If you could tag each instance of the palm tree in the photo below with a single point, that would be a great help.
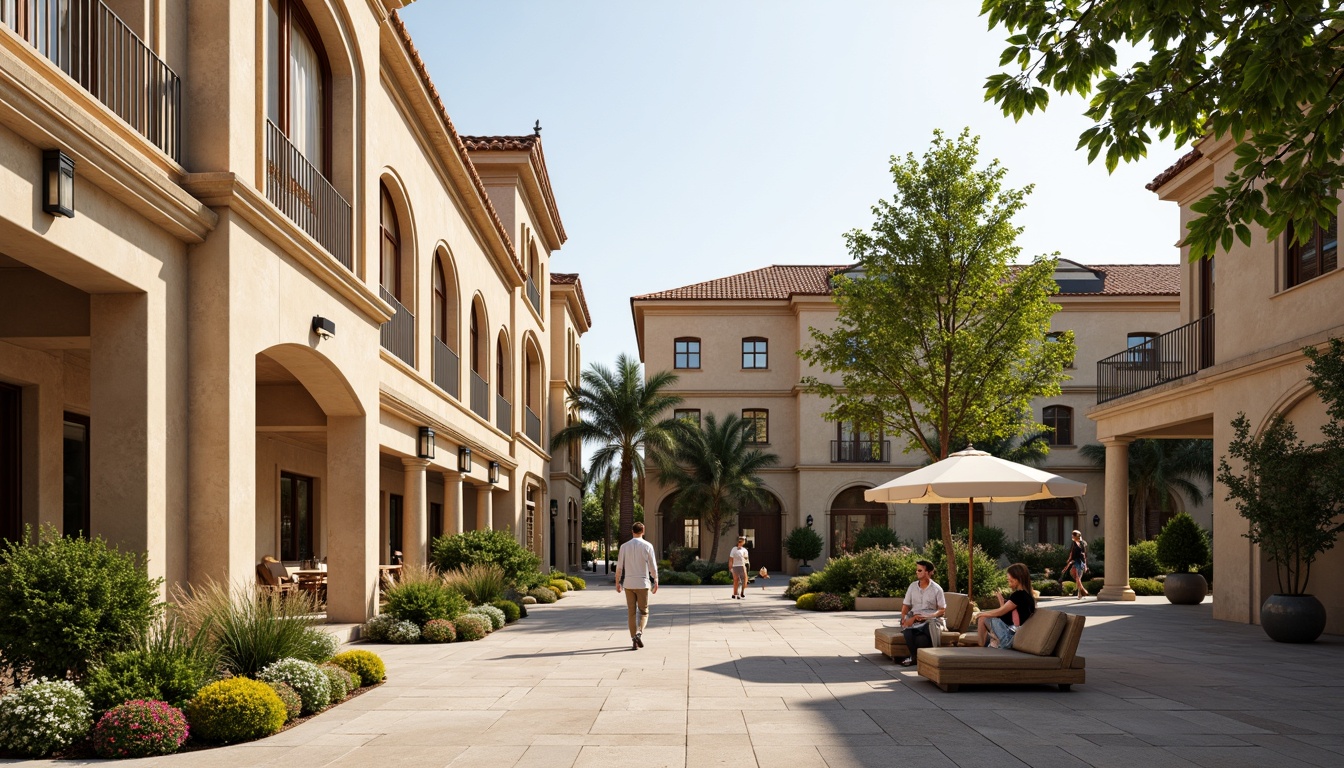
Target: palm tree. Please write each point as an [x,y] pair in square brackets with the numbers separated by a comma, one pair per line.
[619,410]
[713,468]
[1158,470]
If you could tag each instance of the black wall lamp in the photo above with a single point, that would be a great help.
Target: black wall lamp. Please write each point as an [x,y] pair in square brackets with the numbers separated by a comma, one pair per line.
[323,327]
[424,446]
[555,508]
[58,183]
[494,473]
[1096,521]
[464,459]
[809,521]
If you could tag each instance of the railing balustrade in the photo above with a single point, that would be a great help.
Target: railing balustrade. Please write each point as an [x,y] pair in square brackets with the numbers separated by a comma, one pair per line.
[860,451]
[398,334]
[503,414]
[94,47]
[303,194]
[480,396]
[532,425]
[534,295]
[1174,355]
[446,369]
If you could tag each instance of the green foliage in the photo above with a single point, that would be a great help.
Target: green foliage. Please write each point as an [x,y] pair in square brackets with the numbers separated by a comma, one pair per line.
[722,577]
[1094,585]
[1181,546]
[1049,588]
[67,602]
[1038,557]
[828,601]
[964,356]
[1159,471]
[439,631]
[544,595]
[992,539]
[366,665]
[170,664]
[576,582]
[420,596]
[682,557]
[705,569]
[403,632]
[559,584]
[234,710]
[306,678]
[798,586]
[804,544]
[43,717]
[511,610]
[678,578]
[1146,587]
[1263,74]
[1143,560]
[714,468]
[988,578]
[250,628]
[342,682]
[140,729]
[322,645]
[558,592]
[375,629]
[492,614]
[876,536]
[493,547]
[808,601]
[479,583]
[290,697]
[472,626]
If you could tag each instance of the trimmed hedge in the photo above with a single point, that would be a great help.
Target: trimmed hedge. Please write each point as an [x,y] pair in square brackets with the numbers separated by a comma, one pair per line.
[511,610]
[1146,587]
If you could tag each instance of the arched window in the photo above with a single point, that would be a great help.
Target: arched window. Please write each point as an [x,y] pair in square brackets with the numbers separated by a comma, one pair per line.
[298,79]
[499,368]
[440,303]
[474,342]
[850,514]
[1059,419]
[389,246]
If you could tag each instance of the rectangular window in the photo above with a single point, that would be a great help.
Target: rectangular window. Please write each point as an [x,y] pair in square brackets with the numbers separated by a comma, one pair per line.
[758,429]
[754,353]
[394,526]
[689,414]
[1059,419]
[296,517]
[11,475]
[690,533]
[435,521]
[1316,255]
[686,353]
[76,476]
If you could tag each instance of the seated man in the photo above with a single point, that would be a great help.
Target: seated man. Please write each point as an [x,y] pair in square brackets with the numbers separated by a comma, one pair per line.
[924,602]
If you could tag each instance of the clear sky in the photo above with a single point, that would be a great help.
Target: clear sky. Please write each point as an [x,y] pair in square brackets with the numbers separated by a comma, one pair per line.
[695,139]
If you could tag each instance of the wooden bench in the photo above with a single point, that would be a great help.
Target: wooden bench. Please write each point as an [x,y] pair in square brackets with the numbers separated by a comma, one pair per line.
[1045,651]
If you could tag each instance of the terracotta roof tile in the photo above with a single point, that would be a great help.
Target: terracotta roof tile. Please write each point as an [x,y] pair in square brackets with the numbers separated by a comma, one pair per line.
[572,278]
[1139,279]
[501,143]
[1184,162]
[530,143]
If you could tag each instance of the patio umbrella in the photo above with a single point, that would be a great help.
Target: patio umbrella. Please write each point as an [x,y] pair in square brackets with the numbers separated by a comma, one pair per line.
[968,475]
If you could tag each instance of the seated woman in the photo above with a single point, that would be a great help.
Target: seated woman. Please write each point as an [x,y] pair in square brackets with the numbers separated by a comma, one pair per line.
[999,625]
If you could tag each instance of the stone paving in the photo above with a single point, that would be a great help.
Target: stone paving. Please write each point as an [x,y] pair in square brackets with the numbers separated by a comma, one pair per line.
[755,682]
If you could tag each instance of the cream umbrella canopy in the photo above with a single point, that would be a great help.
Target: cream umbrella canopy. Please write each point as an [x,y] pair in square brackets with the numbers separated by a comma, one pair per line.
[969,476]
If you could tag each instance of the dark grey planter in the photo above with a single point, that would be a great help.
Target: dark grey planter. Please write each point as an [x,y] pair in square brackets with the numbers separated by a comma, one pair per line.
[1293,618]
[1185,588]
[804,569]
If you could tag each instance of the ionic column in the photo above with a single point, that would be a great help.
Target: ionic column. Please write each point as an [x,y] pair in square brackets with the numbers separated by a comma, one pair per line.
[1117,520]
[415,534]
[452,502]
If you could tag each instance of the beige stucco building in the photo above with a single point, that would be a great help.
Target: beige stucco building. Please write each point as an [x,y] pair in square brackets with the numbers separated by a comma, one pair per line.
[733,343]
[1275,298]
[283,267]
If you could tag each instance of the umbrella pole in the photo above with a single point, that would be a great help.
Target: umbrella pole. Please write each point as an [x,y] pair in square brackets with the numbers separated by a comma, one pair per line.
[970,549]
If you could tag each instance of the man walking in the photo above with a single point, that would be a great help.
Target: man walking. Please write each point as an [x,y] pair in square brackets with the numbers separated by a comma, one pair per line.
[924,603]
[637,573]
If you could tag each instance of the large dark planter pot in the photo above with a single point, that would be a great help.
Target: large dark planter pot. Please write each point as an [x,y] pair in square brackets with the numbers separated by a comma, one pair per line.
[804,569]
[1293,618]
[1185,588]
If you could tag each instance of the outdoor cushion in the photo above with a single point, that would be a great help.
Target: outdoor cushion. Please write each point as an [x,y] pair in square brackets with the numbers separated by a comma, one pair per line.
[1040,634]
[985,658]
[277,571]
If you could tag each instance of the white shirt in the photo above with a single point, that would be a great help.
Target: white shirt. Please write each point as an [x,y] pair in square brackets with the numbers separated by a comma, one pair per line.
[637,564]
[924,601]
[737,557]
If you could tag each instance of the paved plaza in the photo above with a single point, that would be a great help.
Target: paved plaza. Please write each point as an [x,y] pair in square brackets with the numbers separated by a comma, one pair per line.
[756,682]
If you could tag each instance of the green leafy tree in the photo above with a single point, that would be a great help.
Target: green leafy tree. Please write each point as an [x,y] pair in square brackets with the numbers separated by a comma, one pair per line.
[1266,74]
[1181,545]
[622,412]
[713,469]
[1159,471]
[939,333]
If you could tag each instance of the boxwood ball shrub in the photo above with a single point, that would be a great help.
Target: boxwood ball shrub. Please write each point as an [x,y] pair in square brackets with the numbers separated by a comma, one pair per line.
[1146,587]
[1181,545]
[43,717]
[560,584]
[140,728]
[559,593]
[544,595]
[342,682]
[306,678]
[439,631]
[828,601]
[808,602]
[293,704]
[511,610]
[492,613]
[577,582]
[375,629]
[472,626]
[496,547]
[722,577]
[234,710]
[364,665]
[403,633]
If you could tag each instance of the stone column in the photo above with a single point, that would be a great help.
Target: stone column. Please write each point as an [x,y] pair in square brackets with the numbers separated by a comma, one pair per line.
[415,513]
[1117,520]
[452,502]
[483,510]
[352,509]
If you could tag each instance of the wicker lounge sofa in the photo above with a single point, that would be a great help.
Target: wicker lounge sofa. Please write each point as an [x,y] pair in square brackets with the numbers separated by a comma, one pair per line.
[1044,651]
[891,642]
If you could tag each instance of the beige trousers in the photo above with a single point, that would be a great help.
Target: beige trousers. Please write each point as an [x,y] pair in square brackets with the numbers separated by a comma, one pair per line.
[637,598]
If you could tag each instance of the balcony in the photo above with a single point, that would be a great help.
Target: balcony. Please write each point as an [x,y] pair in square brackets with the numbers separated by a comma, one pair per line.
[503,414]
[534,295]
[399,332]
[1174,355]
[532,425]
[446,369]
[480,396]
[303,194]
[860,451]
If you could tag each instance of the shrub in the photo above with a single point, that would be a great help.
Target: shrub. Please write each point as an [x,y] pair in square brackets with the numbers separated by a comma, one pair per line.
[403,633]
[664,565]
[682,557]
[808,602]
[479,583]
[511,610]
[306,678]
[472,626]
[375,629]
[439,631]
[484,547]
[169,665]
[322,645]
[804,544]
[493,614]
[992,539]
[250,628]
[1094,585]
[797,587]
[1143,561]
[342,682]
[1049,588]
[876,536]
[722,577]
[366,666]
[421,595]
[559,584]
[526,601]
[682,578]
[577,582]
[65,603]
[1181,545]
[554,589]
[43,716]
[1037,557]
[290,697]
[989,579]
[237,709]
[1146,587]
[828,601]
[140,729]
[705,569]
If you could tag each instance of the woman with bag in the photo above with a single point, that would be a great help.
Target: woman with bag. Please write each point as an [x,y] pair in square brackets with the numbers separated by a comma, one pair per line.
[1077,564]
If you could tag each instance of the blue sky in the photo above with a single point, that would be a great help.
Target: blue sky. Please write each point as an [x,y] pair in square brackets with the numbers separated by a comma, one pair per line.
[697,139]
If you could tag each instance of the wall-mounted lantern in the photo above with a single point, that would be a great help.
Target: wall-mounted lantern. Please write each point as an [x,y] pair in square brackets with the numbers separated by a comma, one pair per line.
[424,446]
[494,473]
[464,459]
[58,183]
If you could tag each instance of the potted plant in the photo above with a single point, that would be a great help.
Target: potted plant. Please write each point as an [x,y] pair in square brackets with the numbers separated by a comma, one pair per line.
[1182,549]
[1291,494]
[804,544]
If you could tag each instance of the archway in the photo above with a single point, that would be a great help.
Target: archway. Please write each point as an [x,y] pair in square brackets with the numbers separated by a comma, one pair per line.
[850,514]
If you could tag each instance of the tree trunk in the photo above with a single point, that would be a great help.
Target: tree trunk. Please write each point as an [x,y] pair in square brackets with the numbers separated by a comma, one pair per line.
[627,498]
[946,514]
[714,515]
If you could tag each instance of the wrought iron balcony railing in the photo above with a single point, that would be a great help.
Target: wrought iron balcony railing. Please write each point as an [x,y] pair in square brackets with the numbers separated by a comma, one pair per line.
[94,47]
[446,369]
[480,396]
[1174,355]
[860,451]
[304,195]
[532,425]
[503,414]
[534,295]
[398,334]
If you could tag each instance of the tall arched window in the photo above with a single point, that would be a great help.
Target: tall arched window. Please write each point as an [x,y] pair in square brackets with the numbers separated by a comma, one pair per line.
[1059,419]
[389,246]
[499,368]
[440,303]
[298,80]
[474,342]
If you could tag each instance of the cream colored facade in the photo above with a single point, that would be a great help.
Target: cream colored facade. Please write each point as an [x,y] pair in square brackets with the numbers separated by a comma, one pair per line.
[821,469]
[168,328]
[1254,365]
